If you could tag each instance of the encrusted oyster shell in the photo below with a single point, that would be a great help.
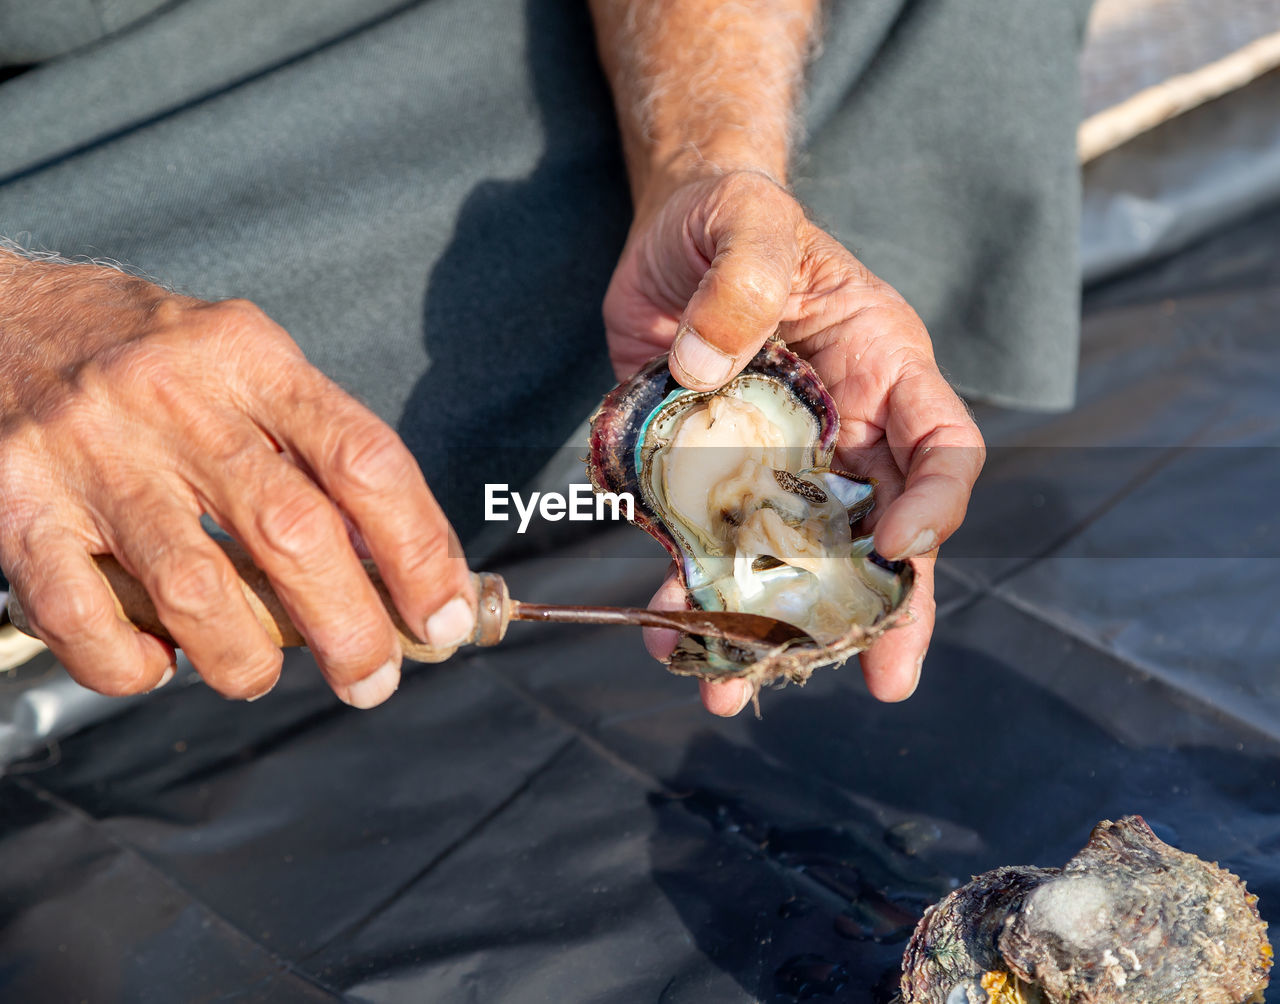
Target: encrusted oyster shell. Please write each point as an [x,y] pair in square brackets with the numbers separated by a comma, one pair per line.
[636,422]
[1128,920]
[954,955]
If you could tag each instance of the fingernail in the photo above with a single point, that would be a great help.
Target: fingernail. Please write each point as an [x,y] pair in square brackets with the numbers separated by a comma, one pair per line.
[925,541]
[374,688]
[258,697]
[748,692]
[451,625]
[168,675]
[916,681]
[699,360]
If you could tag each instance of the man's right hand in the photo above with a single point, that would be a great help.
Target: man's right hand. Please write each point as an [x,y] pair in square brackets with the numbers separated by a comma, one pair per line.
[126,412]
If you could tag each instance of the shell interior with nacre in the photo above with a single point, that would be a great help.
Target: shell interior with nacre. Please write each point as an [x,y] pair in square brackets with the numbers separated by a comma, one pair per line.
[737,484]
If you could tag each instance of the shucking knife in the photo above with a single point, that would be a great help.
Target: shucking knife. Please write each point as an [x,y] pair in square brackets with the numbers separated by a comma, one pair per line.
[495,612]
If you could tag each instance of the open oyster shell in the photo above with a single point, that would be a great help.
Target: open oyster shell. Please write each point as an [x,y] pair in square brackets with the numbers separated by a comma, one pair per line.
[1128,919]
[954,955]
[737,485]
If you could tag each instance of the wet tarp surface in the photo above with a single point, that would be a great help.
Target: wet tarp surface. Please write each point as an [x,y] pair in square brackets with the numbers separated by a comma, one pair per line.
[557,819]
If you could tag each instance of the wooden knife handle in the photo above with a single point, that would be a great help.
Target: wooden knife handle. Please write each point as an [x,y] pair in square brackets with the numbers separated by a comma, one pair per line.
[134,605]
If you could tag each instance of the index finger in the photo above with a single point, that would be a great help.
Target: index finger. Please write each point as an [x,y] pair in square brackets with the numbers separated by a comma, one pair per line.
[368,471]
[937,444]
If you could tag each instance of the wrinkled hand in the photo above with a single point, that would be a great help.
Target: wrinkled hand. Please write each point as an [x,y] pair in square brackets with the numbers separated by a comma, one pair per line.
[127,412]
[710,271]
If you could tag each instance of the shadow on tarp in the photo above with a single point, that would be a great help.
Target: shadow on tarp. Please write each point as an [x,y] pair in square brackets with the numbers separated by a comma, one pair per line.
[860,819]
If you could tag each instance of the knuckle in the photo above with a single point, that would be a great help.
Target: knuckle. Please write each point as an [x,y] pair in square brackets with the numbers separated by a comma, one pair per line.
[238,312]
[426,558]
[188,583]
[244,320]
[429,562]
[246,680]
[764,284]
[292,526]
[369,459]
[354,645]
[238,332]
[69,614]
[169,313]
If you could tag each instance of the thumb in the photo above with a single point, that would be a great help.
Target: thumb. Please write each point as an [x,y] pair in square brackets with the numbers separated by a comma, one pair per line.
[754,253]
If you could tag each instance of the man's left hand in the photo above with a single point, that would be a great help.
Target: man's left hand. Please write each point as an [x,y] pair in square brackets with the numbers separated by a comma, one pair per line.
[712,270]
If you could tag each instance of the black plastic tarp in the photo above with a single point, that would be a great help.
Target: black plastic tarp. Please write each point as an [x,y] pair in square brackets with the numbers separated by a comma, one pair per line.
[557,819]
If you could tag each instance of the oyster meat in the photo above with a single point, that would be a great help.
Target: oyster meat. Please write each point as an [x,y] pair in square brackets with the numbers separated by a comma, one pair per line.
[1128,919]
[737,484]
